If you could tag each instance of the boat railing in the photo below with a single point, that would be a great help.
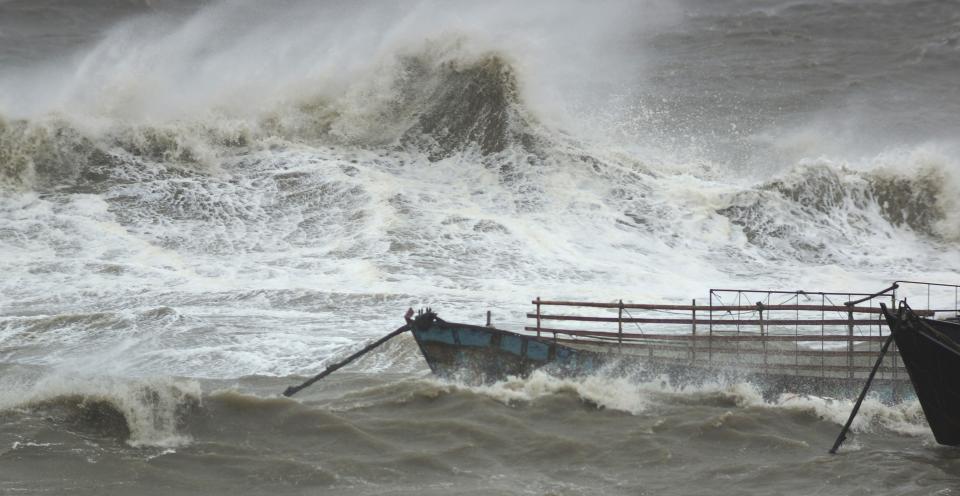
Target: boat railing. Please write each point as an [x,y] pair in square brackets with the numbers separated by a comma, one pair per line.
[804,333]
[942,299]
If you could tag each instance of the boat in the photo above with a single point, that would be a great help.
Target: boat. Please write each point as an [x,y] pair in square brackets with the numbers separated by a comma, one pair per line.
[795,345]
[736,341]
[931,354]
[486,354]
[799,342]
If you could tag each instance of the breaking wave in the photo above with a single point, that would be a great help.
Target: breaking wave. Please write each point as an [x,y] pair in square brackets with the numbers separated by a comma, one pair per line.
[438,108]
[818,207]
[139,413]
[654,398]
[449,97]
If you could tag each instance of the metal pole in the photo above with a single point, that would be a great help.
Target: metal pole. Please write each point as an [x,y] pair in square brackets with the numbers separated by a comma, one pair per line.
[538,316]
[760,311]
[896,382]
[763,337]
[863,394]
[292,390]
[850,342]
[693,330]
[823,356]
[620,326]
[710,331]
[738,325]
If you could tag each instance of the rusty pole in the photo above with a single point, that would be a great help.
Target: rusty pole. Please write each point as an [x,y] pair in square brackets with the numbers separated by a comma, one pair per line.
[693,330]
[710,331]
[620,326]
[538,316]
[850,361]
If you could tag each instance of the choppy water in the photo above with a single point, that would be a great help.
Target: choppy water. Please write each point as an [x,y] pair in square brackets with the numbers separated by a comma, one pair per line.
[202,203]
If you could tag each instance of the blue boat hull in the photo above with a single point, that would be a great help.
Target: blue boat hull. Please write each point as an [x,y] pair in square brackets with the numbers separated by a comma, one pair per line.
[485,354]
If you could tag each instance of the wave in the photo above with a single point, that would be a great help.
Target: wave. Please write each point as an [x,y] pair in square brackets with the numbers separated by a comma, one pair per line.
[139,413]
[476,105]
[444,99]
[56,153]
[434,105]
[642,398]
[818,211]
[171,413]
[380,77]
[652,399]
[74,330]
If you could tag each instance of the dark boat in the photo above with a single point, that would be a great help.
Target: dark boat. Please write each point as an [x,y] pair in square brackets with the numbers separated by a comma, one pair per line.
[930,350]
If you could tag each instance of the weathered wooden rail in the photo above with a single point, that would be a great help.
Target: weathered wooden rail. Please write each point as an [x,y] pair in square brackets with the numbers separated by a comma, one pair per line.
[810,334]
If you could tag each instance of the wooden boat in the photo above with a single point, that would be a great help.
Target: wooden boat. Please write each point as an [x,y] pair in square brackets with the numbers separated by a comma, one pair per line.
[931,353]
[804,343]
[738,342]
[486,354]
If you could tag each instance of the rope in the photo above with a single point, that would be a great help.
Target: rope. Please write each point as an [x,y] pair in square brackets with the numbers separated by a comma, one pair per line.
[635,323]
[857,329]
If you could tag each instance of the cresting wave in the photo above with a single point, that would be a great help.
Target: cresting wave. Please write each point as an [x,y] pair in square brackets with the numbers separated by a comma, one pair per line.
[644,398]
[819,206]
[442,107]
[170,414]
[139,413]
[274,164]
[434,104]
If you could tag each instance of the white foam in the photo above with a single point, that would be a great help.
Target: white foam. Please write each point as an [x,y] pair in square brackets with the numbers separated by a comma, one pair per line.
[624,394]
[29,444]
[903,418]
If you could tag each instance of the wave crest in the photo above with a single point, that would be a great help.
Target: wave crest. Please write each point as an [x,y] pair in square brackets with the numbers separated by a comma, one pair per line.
[473,105]
[818,206]
[141,413]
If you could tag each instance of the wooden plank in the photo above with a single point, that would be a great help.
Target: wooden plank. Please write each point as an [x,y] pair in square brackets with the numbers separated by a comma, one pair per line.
[716,336]
[759,367]
[715,322]
[788,367]
[716,308]
[684,347]
[723,308]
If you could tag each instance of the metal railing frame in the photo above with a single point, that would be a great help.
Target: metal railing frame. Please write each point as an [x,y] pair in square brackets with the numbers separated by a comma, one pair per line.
[719,338]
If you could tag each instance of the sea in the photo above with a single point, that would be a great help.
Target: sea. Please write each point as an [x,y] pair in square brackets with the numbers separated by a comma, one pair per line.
[204,202]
